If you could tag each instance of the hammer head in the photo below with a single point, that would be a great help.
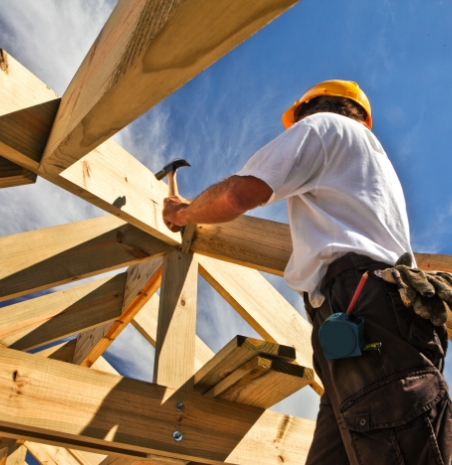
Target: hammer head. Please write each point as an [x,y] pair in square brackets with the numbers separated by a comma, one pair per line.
[173,165]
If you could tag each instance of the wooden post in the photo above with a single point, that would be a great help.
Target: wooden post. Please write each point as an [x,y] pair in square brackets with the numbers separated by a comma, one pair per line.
[176,330]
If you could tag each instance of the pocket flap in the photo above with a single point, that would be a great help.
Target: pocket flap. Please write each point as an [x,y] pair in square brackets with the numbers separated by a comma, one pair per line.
[393,401]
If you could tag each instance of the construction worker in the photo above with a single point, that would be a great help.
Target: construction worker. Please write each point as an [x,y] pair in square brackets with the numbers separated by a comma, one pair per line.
[388,404]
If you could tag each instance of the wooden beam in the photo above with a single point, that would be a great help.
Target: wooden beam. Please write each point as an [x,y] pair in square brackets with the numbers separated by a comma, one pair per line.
[12,175]
[234,355]
[47,454]
[35,322]
[49,401]
[176,330]
[123,187]
[37,260]
[146,323]
[262,306]
[146,50]
[142,282]
[11,452]
[262,382]
[252,242]
[434,262]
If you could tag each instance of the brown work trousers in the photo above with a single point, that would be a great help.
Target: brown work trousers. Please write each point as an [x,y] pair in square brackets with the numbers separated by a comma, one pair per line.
[389,406]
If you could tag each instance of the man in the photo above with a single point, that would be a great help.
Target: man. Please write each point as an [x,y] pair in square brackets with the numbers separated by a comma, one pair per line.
[347,215]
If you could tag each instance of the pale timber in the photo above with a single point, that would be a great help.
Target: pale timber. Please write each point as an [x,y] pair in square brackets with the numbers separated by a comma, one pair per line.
[126,188]
[35,322]
[146,323]
[12,175]
[232,356]
[47,454]
[263,307]
[145,51]
[142,282]
[107,177]
[174,363]
[262,382]
[49,401]
[11,452]
[37,260]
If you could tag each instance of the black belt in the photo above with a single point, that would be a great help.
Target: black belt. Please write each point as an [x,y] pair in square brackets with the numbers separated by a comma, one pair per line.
[349,261]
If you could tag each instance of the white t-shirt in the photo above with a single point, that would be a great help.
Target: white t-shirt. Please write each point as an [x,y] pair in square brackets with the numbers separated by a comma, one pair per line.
[343,196]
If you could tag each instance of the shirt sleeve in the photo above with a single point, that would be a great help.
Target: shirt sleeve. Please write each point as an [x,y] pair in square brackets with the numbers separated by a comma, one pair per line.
[289,162]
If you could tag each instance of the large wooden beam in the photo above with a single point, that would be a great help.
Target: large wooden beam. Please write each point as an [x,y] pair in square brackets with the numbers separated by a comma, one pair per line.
[263,307]
[12,175]
[35,322]
[146,50]
[58,403]
[142,282]
[174,363]
[252,242]
[146,323]
[37,260]
[123,186]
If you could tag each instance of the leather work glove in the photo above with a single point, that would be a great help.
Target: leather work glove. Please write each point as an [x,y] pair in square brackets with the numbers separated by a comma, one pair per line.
[428,292]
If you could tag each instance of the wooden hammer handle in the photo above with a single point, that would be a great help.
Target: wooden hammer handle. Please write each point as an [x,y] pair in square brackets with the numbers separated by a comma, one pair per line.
[172,184]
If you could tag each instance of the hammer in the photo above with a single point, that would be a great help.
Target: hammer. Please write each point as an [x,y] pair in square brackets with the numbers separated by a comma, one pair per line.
[170,170]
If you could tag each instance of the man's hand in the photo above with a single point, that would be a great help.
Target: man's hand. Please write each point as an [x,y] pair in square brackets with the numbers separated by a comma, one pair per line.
[173,212]
[220,203]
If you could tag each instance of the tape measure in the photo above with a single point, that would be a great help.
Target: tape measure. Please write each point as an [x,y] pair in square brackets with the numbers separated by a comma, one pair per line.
[341,335]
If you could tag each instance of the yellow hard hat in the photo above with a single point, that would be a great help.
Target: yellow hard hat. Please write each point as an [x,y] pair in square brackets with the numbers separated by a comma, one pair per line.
[334,88]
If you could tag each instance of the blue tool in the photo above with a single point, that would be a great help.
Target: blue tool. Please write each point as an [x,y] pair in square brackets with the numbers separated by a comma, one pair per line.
[341,335]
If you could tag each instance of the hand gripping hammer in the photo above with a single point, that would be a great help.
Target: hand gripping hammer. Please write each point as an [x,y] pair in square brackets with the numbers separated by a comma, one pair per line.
[170,170]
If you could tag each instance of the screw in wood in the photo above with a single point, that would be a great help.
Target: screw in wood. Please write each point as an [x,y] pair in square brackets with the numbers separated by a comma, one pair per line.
[180,406]
[177,436]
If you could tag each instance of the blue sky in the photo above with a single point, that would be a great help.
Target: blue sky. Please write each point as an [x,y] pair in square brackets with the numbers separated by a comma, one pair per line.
[399,51]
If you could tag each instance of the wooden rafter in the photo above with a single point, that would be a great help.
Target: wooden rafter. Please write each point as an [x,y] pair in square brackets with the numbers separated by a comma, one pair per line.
[58,403]
[35,322]
[12,175]
[37,260]
[123,186]
[146,50]
[142,282]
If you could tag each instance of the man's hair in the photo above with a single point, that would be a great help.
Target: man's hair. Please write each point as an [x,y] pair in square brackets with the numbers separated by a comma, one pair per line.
[340,105]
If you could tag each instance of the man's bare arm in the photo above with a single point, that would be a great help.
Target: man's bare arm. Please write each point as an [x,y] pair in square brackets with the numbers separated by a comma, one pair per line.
[220,203]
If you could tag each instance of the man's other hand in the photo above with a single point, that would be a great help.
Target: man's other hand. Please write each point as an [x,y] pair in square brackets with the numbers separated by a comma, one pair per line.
[173,212]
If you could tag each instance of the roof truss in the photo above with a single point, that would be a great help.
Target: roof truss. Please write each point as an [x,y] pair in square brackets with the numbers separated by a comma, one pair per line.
[64,413]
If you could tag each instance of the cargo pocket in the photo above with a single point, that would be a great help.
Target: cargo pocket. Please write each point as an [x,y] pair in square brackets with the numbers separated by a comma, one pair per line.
[394,401]
[430,340]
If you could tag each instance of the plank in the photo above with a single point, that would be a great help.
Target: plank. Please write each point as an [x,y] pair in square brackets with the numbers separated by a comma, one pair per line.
[142,282]
[434,262]
[176,328]
[62,404]
[262,382]
[262,306]
[232,356]
[123,187]
[37,260]
[11,452]
[35,322]
[253,242]
[12,175]
[47,454]
[146,323]
[146,50]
